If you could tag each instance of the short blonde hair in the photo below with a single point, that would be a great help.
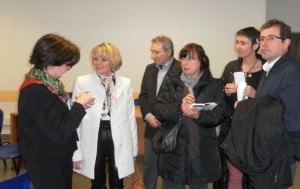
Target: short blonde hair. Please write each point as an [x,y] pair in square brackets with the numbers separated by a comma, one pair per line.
[109,52]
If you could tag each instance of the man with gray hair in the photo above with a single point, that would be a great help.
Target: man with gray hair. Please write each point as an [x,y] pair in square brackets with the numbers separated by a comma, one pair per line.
[162,53]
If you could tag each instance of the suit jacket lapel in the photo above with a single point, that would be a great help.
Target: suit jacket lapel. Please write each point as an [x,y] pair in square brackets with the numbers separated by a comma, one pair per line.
[154,73]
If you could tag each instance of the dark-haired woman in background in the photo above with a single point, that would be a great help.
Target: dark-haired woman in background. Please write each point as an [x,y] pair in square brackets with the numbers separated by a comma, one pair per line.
[196,160]
[250,63]
[47,128]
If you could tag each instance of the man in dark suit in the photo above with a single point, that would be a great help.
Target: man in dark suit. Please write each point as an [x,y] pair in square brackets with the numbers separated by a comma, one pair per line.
[162,52]
[281,79]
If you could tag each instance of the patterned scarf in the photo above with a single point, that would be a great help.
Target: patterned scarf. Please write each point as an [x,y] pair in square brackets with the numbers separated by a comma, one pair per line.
[109,85]
[37,76]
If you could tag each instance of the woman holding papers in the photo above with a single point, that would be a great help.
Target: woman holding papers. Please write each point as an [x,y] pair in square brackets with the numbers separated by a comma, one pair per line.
[195,161]
[240,76]
[248,62]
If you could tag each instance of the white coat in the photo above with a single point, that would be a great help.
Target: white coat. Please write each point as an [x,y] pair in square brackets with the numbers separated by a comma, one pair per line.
[123,125]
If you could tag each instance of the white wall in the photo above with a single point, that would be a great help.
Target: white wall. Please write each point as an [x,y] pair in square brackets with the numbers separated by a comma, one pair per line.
[129,24]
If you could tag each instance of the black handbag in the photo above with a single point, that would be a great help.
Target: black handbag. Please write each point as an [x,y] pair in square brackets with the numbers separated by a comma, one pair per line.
[165,140]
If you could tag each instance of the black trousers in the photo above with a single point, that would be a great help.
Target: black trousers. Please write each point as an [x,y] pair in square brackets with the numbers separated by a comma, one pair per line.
[105,153]
[51,173]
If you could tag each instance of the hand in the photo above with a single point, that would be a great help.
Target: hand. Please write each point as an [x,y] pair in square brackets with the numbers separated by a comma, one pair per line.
[186,102]
[76,165]
[86,100]
[153,121]
[230,88]
[250,92]
[185,107]
[235,104]
[193,112]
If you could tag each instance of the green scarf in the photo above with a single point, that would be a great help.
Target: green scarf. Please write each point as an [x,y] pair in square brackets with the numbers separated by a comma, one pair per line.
[41,77]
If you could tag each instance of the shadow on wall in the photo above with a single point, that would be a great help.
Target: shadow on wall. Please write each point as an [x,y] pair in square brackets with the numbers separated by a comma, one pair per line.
[295,46]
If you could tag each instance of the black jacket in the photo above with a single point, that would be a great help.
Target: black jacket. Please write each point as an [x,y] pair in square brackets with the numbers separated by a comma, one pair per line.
[147,95]
[258,144]
[47,128]
[227,77]
[178,167]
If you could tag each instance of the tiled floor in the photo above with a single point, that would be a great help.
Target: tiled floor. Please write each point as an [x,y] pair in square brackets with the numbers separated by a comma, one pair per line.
[81,182]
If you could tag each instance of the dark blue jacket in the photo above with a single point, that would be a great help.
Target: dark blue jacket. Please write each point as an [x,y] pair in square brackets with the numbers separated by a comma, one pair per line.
[282,83]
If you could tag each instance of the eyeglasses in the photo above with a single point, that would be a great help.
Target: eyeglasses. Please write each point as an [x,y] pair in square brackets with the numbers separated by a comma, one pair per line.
[188,58]
[268,38]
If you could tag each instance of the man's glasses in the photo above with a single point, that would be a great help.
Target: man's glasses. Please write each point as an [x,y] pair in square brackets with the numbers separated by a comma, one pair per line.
[268,38]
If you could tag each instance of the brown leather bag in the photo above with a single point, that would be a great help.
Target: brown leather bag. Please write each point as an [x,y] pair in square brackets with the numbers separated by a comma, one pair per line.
[134,181]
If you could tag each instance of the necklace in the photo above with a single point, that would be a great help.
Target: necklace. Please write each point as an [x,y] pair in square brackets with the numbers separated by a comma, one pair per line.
[247,74]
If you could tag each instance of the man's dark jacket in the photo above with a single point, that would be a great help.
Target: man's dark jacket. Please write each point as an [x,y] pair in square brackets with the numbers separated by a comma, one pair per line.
[258,143]
[147,95]
[282,83]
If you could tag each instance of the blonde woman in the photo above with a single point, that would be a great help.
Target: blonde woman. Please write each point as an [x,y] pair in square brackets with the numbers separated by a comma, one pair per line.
[108,132]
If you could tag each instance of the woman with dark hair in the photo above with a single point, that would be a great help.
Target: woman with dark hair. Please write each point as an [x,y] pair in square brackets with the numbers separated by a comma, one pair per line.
[250,63]
[195,161]
[47,127]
